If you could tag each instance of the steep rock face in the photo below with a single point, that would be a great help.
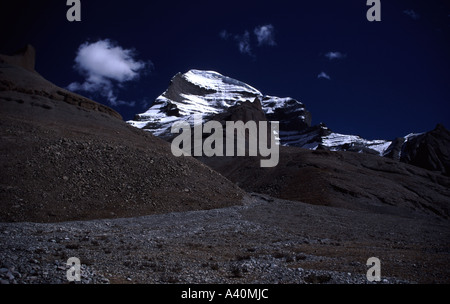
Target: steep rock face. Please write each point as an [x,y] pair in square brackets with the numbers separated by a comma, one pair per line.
[25,58]
[291,113]
[394,150]
[242,111]
[17,77]
[430,150]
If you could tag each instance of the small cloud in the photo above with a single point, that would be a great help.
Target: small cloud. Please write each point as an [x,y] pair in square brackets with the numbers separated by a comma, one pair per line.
[265,35]
[244,43]
[324,75]
[224,35]
[106,67]
[335,55]
[411,13]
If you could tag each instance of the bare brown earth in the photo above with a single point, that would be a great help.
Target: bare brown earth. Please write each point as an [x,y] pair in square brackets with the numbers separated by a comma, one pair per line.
[78,181]
[348,180]
[63,161]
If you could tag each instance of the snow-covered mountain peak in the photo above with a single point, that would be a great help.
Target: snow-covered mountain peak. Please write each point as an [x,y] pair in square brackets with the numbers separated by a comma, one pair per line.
[212,80]
[210,93]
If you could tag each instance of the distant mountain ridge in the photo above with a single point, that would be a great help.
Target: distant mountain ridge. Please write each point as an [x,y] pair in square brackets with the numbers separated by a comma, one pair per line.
[213,95]
[210,93]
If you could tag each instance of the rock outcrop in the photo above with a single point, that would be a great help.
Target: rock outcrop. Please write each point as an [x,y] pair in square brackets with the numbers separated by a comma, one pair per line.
[25,58]
[430,150]
[19,77]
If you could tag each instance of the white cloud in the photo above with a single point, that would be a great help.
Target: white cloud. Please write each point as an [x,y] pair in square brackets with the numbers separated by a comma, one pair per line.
[106,67]
[244,43]
[323,75]
[412,14]
[335,55]
[265,35]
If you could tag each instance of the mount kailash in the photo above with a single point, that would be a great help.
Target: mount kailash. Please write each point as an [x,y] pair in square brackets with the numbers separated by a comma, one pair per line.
[214,95]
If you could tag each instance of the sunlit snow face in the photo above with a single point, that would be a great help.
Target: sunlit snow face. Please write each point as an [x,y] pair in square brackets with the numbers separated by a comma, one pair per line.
[220,92]
[335,139]
[216,81]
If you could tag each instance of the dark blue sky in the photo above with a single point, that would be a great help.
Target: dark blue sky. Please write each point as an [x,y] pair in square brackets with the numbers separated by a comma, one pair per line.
[393,80]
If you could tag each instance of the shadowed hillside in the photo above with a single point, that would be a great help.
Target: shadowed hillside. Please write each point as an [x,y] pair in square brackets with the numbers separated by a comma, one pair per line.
[65,157]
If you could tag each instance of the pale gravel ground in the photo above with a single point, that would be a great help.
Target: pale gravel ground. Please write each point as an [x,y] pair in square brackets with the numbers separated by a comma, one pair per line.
[264,241]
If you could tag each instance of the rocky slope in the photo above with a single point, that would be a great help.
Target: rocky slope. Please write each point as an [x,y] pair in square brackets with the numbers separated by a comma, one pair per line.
[355,181]
[65,157]
[265,241]
[430,150]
